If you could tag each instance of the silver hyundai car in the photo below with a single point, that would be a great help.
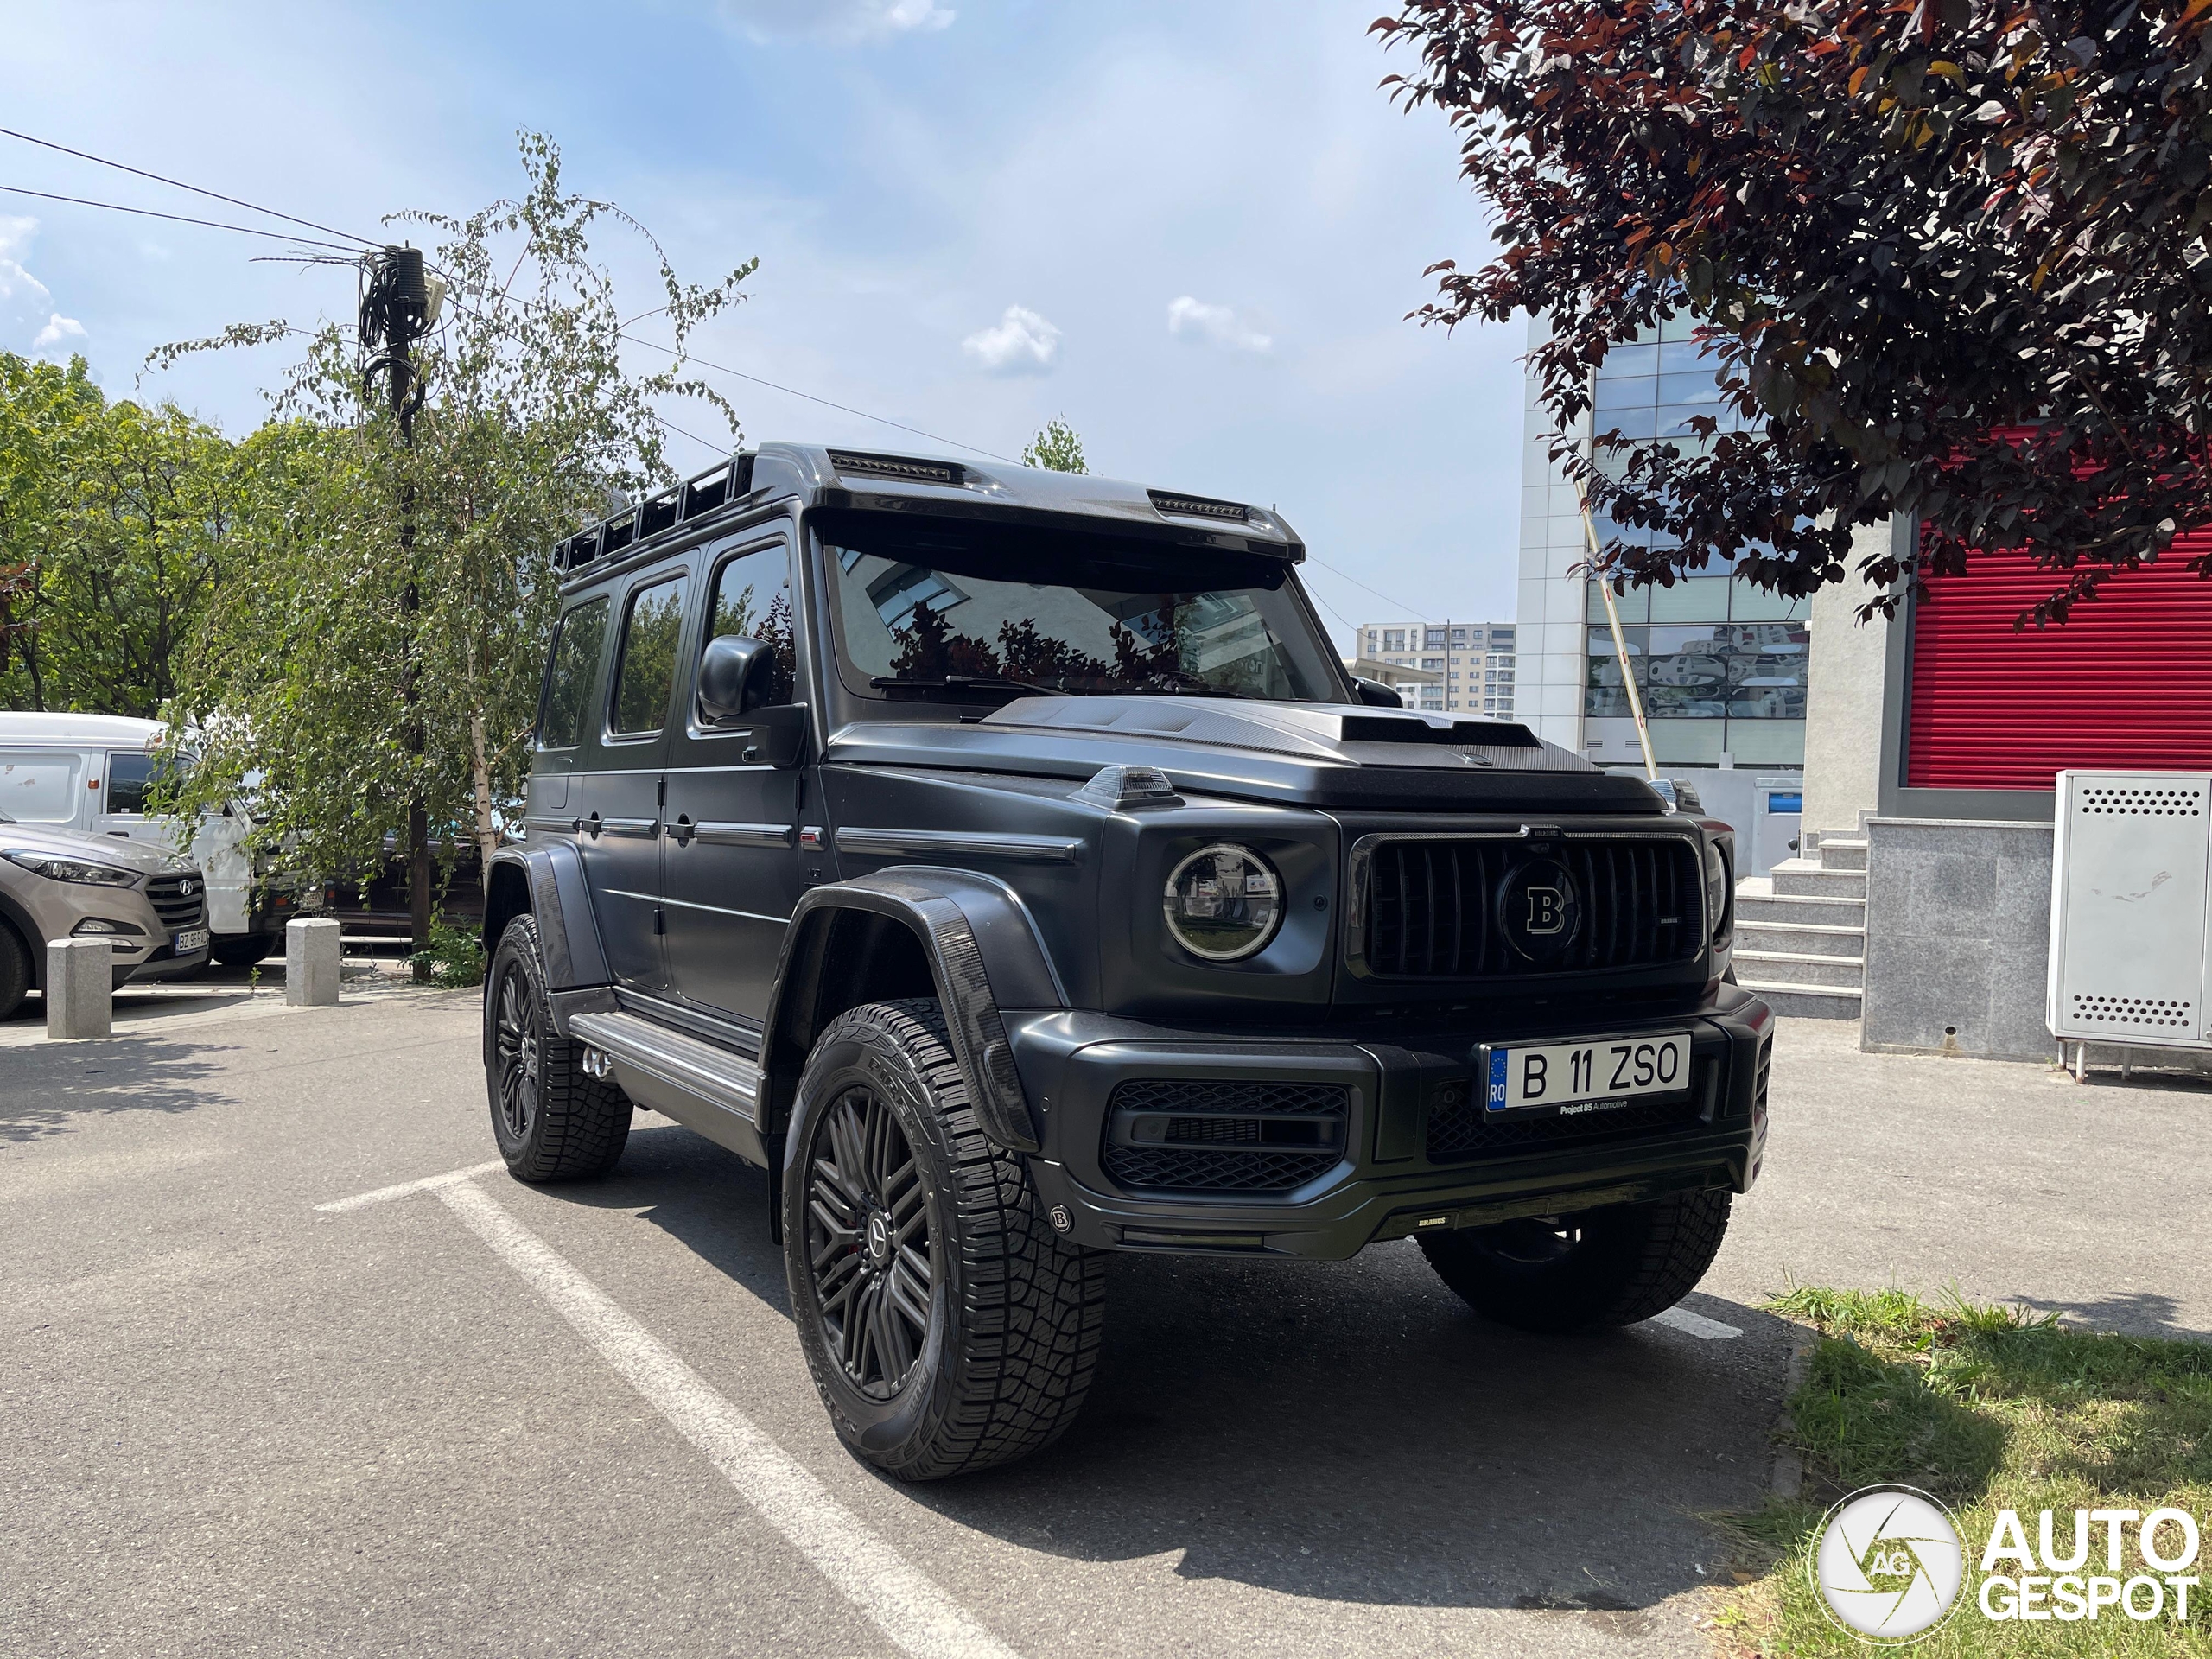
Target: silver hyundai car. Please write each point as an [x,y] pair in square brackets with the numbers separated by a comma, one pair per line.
[151,907]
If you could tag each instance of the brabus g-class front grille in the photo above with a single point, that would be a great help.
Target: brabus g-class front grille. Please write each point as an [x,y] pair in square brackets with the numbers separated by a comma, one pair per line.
[1435,906]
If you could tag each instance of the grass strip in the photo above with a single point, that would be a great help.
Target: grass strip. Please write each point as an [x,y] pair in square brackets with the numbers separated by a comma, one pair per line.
[1986,1407]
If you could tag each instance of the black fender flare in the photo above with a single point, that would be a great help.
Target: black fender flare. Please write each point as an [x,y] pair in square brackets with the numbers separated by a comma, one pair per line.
[546,880]
[984,953]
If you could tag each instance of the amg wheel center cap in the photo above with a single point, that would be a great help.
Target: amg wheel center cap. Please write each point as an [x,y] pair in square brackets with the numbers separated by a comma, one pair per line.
[879,1237]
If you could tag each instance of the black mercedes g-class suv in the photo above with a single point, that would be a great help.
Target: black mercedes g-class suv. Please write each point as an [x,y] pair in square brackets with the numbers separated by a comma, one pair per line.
[1003,860]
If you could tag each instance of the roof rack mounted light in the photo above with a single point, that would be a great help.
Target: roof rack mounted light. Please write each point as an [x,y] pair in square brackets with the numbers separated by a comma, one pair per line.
[854,462]
[1199,506]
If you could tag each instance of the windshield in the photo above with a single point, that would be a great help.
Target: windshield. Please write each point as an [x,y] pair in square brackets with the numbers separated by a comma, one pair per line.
[969,615]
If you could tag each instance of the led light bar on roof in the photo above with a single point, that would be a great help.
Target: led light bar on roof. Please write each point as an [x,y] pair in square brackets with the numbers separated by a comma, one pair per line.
[913,472]
[1200,507]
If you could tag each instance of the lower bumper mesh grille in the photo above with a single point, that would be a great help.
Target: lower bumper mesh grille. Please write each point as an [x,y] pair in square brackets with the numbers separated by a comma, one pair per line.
[1198,1136]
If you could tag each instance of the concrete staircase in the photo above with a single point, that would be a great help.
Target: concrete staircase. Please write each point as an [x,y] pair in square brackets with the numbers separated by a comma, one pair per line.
[1800,933]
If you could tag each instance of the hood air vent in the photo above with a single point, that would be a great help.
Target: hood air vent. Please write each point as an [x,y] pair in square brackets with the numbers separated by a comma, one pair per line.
[1200,507]
[852,463]
[1397,728]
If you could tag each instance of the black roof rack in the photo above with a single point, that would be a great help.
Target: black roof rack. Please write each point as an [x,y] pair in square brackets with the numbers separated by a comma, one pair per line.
[718,486]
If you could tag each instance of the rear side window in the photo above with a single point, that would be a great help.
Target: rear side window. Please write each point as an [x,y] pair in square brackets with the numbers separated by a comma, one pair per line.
[132,775]
[752,597]
[568,683]
[40,786]
[646,676]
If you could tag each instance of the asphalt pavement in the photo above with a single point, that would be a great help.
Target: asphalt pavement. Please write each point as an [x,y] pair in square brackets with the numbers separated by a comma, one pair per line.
[481,1418]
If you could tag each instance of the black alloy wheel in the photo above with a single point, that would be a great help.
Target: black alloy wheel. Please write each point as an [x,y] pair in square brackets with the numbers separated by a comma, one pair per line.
[553,1120]
[869,1242]
[516,1039]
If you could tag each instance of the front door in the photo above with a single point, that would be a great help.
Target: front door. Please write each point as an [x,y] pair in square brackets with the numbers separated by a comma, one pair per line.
[618,800]
[730,854]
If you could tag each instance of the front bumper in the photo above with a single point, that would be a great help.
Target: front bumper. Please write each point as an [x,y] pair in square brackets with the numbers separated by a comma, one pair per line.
[1398,1174]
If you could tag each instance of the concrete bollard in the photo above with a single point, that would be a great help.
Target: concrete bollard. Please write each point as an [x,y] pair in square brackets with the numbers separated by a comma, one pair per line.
[79,988]
[311,962]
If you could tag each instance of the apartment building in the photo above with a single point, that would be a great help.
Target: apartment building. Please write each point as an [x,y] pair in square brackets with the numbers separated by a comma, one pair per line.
[1474,661]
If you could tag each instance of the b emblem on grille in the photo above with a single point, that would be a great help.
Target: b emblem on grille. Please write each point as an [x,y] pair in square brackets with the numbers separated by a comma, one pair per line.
[1540,910]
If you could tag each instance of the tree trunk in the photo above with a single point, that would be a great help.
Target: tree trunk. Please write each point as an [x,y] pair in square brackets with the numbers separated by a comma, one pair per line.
[479,768]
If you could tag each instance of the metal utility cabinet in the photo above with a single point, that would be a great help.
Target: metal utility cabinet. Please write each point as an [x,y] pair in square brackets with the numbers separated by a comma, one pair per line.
[2128,929]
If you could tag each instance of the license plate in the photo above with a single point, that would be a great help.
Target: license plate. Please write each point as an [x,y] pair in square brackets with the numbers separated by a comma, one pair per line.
[1588,1076]
[192,939]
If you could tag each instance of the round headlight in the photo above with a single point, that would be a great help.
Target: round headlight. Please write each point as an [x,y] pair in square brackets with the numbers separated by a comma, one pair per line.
[1223,903]
[1716,890]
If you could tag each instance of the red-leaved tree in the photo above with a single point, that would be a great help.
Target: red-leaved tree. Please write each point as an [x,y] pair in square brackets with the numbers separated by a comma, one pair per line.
[1951,256]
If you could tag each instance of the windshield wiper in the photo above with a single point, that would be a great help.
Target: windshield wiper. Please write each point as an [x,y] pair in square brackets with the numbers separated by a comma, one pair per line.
[961,682]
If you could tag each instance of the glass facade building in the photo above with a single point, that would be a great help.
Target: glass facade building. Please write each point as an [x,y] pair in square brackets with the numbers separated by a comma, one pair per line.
[1720,665]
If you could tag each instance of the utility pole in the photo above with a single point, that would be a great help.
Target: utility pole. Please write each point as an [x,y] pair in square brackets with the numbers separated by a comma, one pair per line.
[398,308]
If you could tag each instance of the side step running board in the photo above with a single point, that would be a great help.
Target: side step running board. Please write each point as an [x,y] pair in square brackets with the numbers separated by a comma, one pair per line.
[700,1069]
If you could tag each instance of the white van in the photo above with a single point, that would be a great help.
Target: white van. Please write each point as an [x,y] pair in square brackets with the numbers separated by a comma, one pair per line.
[90,772]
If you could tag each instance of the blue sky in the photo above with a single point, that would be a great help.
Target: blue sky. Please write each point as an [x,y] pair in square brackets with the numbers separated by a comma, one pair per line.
[1194,230]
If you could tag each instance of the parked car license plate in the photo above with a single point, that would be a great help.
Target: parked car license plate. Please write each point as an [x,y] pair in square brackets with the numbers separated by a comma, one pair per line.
[192,939]
[1589,1074]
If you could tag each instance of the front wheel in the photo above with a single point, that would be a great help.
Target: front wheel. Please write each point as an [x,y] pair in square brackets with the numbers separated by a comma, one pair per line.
[552,1122]
[947,1326]
[1602,1268]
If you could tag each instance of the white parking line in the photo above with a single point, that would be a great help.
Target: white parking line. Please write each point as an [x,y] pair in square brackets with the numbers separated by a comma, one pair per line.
[1695,1324]
[904,1604]
[427,1183]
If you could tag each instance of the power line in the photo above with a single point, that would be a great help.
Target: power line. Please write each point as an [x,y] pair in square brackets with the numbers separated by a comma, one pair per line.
[180,218]
[1407,609]
[847,408]
[216,195]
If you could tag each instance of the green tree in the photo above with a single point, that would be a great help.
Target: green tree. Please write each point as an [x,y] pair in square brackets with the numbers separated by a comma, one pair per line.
[1056,448]
[1950,259]
[113,518]
[374,655]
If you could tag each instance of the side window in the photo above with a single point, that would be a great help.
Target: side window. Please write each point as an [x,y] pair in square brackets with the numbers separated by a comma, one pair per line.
[127,774]
[646,673]
[752,597]
[567,681]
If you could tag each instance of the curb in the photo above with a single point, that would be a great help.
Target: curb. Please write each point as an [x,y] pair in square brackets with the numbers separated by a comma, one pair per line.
[1788,1479]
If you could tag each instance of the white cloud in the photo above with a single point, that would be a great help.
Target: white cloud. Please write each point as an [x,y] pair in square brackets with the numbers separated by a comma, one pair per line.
[58,328]
[1219,324]
[26,303]
[838,20]
[1021,343]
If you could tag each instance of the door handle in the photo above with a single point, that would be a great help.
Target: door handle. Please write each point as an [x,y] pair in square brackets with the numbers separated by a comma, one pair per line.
[590,826]
[681,830]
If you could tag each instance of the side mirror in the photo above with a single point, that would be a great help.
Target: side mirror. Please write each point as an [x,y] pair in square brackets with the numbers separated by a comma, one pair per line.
[1375,695]
[780,731]
[733,678]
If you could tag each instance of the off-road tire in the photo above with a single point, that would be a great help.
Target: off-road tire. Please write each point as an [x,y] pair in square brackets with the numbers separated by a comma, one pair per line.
[15,972]
[1603,1268]
[245,951]
[569,1127]
[1015,1313]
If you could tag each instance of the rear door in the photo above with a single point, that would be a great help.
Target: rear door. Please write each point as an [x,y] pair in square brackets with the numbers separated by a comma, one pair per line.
[730,854]
[617,798]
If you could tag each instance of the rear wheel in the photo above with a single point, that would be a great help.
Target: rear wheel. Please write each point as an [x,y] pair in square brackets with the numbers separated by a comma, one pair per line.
[947,1328]
[553,1123]
[1603,1268]
[15,972]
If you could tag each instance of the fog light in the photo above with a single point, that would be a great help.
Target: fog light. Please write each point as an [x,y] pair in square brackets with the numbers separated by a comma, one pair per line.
[101,924]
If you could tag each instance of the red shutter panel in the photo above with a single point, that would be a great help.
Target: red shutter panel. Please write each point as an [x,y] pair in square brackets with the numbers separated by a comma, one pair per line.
[2126,683]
